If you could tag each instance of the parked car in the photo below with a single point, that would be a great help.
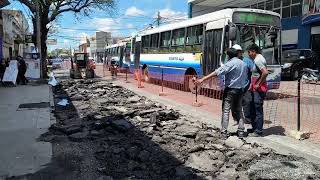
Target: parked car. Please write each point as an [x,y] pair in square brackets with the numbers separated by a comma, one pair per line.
[294,61]
[57,63]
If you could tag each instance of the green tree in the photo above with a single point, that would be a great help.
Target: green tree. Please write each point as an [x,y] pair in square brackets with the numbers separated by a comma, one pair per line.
[50,10]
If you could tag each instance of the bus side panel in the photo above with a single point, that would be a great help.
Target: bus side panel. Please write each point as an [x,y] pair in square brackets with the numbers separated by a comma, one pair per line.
[174,66]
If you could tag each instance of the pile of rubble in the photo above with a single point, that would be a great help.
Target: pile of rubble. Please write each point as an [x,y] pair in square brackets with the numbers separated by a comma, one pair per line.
[136,138]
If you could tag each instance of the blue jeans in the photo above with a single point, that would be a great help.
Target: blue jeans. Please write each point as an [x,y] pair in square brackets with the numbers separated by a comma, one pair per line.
[253,109]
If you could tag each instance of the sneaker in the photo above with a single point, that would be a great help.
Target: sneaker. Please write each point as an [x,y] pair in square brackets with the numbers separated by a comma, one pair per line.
[250,131]
[224,135]
[255,135]
[241,134]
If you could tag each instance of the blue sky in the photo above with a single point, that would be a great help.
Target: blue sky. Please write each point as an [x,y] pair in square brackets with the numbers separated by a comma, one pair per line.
[129,16]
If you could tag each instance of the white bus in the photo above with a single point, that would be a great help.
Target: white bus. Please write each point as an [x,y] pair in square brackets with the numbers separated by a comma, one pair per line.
[119,53]
[197,46]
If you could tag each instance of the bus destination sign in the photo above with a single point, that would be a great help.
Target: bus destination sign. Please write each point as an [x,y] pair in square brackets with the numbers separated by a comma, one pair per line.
[256,19]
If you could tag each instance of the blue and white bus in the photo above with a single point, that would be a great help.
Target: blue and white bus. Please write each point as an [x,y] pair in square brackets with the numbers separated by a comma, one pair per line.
[119,53]
[197,46]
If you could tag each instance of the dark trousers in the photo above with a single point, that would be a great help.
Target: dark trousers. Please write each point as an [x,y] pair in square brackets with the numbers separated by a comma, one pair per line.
[232,99]
[253,110]
[21,77]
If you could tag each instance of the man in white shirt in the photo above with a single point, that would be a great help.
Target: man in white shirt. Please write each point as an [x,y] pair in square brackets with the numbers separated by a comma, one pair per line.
[258,89]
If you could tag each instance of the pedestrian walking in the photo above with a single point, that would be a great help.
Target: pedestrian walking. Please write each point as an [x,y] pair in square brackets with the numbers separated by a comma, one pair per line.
[2,69]
[258,90]
[22,69]
[245,100]
[7,62]
[236,79]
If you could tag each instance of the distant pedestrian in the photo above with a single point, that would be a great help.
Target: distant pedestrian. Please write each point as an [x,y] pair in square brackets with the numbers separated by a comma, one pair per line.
[245,101]
[236,79]
[258,90]
[2,69]
[22,69]
[7,62]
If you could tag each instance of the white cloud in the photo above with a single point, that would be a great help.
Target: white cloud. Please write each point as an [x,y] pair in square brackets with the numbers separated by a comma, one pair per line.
[170,14]
[67,31]
[105,24]
[134,11]
[130,26]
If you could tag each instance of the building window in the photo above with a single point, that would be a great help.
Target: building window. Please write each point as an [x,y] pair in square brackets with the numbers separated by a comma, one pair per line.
[254,6]
[269,5]
[296,10]
[286,12]
[261,5]
[286,8]
[286,3]
[276,4]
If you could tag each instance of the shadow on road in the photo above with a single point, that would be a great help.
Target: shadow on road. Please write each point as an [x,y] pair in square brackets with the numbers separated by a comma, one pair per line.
[87,145]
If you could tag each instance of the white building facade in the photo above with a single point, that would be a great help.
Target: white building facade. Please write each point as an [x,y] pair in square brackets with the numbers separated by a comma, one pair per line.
[13,29]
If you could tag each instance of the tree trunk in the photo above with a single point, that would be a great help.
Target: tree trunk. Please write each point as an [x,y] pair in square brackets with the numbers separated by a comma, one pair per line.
[44,36]
[44,51]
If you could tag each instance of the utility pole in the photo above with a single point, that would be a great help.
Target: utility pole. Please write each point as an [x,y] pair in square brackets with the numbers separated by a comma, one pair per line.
[39,39]
[158,19]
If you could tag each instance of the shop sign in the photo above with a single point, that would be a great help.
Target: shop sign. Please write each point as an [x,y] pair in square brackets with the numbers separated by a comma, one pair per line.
[311,7]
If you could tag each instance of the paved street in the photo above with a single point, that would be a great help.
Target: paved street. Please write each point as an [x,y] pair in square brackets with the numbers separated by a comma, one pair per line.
[136,96]
[20,152]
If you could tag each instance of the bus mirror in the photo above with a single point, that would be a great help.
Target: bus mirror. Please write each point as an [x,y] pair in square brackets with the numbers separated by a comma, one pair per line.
[232,32]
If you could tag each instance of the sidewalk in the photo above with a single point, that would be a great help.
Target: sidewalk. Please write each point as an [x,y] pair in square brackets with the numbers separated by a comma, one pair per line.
[20,153]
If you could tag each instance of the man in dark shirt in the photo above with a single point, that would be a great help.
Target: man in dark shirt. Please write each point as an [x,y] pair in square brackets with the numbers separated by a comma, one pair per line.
[2,69]
[22,69]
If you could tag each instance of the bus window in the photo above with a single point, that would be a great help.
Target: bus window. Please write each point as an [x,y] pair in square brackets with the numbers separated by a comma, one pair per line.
[212,51]
[114,51]
[194,38]
[133,46]
[145,43]
[165,41]
[260,36]
[178,37]
[178,40]
[154,43]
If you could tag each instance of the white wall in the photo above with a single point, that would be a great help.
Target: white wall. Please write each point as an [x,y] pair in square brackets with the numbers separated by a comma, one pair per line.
[290,36]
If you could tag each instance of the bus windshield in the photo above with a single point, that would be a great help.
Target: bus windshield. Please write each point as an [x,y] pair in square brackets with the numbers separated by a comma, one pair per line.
[248,35]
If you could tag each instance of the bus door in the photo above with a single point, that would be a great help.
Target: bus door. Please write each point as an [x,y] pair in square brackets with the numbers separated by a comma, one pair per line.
[137,52]
[121,56]
[212,50]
